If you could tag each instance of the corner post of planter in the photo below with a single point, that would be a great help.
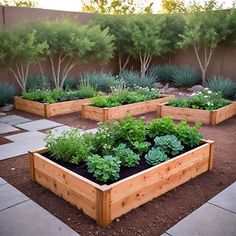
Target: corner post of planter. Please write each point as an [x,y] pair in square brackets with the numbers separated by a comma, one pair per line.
[213,115]
[103,205]
[158,110]
[211,159]
[83,111]
[31,165]
[105,114]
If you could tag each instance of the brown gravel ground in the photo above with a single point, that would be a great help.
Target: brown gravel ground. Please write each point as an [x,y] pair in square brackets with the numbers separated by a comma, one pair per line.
[154,217]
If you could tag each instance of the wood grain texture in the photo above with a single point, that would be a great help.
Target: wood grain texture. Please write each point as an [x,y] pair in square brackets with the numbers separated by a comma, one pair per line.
[49,110]
[196,115]
[119,112]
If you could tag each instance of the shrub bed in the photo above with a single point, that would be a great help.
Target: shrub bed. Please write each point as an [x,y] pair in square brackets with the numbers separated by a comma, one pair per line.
[105,173]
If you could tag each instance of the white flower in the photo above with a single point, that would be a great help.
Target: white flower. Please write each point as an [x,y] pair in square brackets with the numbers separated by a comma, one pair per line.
[206,89]
[205,96]
[209,91]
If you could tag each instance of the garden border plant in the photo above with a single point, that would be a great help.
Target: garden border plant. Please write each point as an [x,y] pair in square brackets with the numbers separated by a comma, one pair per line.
[206,107]
[105,202]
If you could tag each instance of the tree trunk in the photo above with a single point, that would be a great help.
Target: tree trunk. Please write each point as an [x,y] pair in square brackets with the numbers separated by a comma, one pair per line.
[143,70]
[204,76]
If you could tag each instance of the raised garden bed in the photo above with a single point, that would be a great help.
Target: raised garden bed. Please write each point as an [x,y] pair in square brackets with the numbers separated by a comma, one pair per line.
[104,203]
[49,110]
[119,112]
[211,117]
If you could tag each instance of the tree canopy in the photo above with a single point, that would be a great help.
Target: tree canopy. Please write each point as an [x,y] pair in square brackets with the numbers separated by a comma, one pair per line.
[19,3]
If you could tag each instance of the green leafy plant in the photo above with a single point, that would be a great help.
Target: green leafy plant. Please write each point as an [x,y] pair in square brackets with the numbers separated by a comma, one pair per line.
[70,147]
[185,76]
[223,85]
[155,156]
[70,82]
[105,168]
[141,147]
[86,90]
[37,82]
[100,81]
[206,100]
[169,144]
[7,91]
[126,155]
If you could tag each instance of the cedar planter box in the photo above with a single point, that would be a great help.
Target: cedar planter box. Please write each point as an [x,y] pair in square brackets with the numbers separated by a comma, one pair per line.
[49,110]
[193,115]
[104,203]
[119,112]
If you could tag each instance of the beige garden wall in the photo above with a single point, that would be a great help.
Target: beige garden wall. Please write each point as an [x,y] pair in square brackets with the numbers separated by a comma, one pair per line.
[223,61]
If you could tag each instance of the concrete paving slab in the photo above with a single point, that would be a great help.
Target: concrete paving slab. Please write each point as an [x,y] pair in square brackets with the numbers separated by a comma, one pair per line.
[4,128]
[13,119]
[26,136]
[2,181]
[10,196]
[29,219]
[226,199]
[89,131]
[60,130]
[165,234]
[16,149]
[208,220]
[38,125]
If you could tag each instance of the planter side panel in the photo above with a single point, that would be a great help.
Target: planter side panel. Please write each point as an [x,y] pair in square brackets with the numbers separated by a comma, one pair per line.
[225,113]
[191,115]
[143,187]
[93,113]
[29,106]
[65,184]
[68,107]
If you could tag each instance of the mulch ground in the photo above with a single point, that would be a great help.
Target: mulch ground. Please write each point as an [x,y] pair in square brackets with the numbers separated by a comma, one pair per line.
[154,217]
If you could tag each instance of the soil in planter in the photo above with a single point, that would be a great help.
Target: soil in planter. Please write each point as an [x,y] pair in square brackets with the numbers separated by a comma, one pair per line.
[125,172]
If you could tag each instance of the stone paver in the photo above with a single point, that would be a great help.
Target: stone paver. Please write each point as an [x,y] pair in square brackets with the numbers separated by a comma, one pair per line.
[89,131]
[16,149]
[4,128]
[208,220]
[26,136]
[38,125]
[29,219]
[13,119]
[2,181]
[60,130]
[226,199]
[10,196]
[165,234]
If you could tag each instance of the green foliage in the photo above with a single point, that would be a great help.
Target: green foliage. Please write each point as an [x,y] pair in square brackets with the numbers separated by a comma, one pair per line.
[141,147]
[105,168]
[164,73]
[188,136]
[100,81]
[186,76]
[161,127]
[132,79]
[35,82]
[206,100]
[131,130]
[19,3]
[223,85]
[125,97]
[7,91]
[126,155]
[155,156]
[169,144]
[70,147]
[86,90]
[70,82]
[173,6]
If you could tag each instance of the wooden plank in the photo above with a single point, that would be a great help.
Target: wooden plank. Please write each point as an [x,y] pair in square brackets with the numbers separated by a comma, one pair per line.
[67,107]
[103,207]
[65,176]
[191,115]
[92,113]
[31,166]
[225,113]
[150,176]
[156,189]
[29,106]
[67,193]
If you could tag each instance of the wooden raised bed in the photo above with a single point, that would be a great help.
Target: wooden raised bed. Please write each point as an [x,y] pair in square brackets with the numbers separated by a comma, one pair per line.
[119,112]
[49,110]
[193,115]
[104,203]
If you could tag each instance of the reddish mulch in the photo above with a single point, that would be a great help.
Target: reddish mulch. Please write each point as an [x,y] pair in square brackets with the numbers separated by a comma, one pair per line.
[154,217]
